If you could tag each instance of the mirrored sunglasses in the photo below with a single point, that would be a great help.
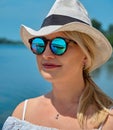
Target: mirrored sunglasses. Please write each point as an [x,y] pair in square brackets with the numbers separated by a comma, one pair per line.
[58,45]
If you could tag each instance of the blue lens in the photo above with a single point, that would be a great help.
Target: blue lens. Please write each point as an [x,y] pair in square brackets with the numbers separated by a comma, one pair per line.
[58,46]
[38,45]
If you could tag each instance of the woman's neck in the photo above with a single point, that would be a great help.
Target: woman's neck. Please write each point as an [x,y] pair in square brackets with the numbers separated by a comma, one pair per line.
[68,92]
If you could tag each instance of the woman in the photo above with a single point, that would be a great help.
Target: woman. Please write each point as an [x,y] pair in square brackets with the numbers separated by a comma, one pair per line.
[67,50]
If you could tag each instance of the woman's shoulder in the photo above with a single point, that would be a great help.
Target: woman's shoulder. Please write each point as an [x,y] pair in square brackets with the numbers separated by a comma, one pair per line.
[32,102]
[108,125]
[18,110]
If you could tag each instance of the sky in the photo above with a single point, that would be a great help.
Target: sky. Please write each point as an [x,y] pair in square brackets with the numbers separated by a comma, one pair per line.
[31,13]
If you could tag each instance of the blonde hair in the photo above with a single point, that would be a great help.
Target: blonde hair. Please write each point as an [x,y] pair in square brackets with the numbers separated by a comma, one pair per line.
[92,96]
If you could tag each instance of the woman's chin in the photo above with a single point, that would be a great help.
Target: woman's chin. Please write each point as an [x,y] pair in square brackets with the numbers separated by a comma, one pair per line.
[47,76]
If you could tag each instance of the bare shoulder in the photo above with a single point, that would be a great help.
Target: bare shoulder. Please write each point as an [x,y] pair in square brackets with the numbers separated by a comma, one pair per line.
[109,122]
[18,110]
[33,103]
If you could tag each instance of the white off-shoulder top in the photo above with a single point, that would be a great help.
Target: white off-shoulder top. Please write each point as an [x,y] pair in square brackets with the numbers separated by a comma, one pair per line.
[13,123]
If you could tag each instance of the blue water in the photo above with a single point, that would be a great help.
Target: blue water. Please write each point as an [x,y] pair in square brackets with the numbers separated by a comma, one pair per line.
[20,79]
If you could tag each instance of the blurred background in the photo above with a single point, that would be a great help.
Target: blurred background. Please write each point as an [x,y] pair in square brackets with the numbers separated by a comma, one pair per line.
[19,76]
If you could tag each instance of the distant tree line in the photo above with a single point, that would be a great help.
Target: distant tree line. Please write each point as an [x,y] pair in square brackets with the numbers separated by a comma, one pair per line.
[108,33]
[8,41]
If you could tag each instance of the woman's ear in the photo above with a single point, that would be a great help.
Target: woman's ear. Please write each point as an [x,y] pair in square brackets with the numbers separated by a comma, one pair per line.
[84,62]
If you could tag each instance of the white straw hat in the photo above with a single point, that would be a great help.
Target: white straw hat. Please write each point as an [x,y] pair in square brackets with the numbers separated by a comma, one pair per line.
[70,15]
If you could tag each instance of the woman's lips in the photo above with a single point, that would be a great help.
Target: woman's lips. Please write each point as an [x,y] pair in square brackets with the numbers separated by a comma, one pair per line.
[50,66]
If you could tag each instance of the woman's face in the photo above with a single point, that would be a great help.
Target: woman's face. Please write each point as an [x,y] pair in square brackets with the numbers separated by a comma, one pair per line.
[64,67]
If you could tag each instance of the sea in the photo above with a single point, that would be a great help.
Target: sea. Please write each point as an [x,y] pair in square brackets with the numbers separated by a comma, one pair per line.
[20,78]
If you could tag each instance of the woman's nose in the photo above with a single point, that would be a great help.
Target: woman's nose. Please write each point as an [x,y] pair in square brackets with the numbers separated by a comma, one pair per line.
[47,54]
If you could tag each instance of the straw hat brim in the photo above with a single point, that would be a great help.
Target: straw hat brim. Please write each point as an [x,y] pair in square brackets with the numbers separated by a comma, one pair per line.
[101,54]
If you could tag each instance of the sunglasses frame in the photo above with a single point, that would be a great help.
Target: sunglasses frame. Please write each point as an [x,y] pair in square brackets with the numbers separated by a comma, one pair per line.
[67,41]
